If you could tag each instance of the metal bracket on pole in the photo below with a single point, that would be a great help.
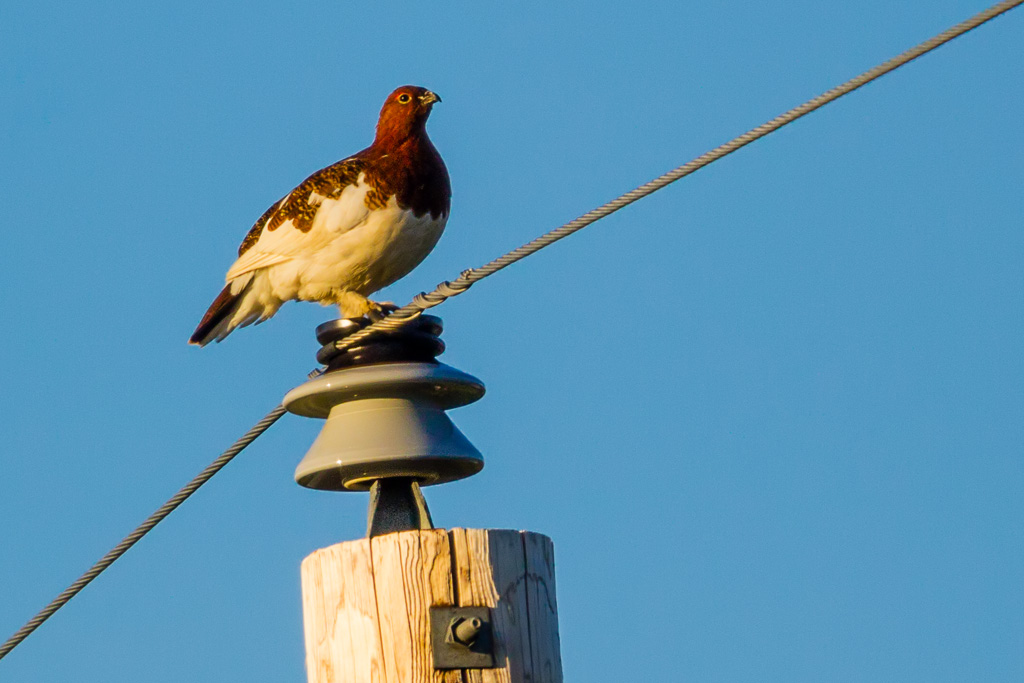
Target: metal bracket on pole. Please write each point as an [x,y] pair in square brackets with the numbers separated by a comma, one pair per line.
[462,638]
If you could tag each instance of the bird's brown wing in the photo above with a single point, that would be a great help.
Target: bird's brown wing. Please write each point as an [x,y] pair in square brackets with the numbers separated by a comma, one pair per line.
[296,205]
[283,231]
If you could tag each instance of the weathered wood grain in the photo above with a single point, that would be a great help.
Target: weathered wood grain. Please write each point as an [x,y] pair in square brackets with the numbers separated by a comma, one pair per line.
[367,603]
[435,550]
[542,608]
[490,571]
[340,616]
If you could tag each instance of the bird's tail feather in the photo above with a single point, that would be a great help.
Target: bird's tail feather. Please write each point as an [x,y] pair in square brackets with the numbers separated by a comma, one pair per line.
[226,313]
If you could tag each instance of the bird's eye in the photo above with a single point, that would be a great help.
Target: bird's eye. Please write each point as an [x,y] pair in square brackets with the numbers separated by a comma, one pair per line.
[404,98]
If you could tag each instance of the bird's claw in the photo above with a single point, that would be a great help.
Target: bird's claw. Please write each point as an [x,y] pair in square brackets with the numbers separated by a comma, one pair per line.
[378,310]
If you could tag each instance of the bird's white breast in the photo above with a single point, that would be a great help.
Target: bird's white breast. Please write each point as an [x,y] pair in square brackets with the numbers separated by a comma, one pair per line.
[353,248]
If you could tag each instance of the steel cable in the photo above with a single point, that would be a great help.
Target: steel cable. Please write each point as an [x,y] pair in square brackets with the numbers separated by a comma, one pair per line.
[467,278]
[143,529]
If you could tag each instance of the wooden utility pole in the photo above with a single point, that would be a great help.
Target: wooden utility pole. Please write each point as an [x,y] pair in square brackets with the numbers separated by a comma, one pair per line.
[410,603]
[367,604]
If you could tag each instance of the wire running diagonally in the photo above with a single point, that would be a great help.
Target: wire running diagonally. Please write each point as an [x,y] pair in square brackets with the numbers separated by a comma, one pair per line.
[423,301]
[448,289]
[143,529]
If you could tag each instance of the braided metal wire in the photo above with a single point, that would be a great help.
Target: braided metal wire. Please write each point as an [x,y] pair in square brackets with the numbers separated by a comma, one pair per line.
[448,289]
[143,529]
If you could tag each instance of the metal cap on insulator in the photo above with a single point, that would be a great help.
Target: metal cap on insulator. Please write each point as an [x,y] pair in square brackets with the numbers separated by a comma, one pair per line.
[384,402]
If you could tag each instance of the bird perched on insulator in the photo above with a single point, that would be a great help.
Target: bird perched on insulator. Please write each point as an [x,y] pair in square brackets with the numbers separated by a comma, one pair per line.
[347,231]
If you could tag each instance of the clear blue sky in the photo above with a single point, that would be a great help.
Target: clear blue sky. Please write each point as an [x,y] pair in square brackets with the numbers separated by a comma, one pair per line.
[772,417]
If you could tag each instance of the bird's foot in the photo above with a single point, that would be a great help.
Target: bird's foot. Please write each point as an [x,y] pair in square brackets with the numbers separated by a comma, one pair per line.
[352,305]
[378,310]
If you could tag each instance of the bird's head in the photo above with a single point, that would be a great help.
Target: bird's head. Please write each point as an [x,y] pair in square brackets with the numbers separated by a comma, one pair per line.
[405,113]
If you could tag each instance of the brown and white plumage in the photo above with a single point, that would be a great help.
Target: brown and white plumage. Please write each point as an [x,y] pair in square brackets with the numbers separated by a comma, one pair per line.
[347,231]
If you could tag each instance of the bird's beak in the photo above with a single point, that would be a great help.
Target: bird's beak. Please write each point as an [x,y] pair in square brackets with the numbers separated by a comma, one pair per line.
[429,98]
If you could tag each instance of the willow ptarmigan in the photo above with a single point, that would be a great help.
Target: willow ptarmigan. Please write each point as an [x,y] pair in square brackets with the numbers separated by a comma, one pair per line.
[347,231]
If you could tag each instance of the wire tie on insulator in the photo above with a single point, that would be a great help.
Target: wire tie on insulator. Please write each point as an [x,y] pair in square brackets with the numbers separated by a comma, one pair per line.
[396,322]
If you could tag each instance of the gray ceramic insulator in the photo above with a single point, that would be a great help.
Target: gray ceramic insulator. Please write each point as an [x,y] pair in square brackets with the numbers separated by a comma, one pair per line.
[386,420]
